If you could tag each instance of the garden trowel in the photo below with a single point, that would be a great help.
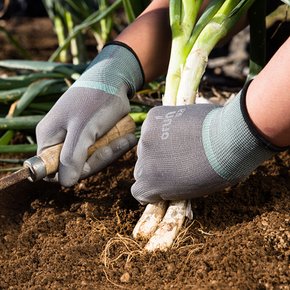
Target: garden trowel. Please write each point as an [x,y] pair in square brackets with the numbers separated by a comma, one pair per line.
[46,163]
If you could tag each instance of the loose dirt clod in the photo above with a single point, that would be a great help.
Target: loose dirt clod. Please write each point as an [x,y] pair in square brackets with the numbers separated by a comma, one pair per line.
[125,278]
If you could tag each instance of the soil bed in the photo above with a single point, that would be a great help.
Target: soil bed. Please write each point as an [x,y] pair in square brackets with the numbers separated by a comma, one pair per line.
[80,238]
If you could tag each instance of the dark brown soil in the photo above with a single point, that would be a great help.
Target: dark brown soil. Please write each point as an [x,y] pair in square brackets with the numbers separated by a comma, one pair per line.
[80,238]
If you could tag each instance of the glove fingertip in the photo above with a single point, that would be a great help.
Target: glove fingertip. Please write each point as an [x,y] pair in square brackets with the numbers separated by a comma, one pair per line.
[131,139]
[67,176]
[101,158]
[139,192]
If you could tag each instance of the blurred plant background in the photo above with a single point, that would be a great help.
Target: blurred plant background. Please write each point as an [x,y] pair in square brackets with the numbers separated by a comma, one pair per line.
[74,20]
[29,88]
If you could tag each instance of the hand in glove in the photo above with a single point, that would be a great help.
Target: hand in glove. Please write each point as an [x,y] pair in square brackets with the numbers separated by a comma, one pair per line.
[88,109]
[188,151]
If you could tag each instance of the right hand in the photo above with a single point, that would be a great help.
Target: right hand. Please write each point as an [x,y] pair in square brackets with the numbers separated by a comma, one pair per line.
[189,151]
[90,108]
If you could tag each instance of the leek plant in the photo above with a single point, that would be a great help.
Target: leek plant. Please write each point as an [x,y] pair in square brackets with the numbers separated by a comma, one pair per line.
[183,80]
[191,46]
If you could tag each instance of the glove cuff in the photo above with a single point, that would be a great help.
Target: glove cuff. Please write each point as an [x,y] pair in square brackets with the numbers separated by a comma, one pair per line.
[232,144]
[116,70]
[135,69]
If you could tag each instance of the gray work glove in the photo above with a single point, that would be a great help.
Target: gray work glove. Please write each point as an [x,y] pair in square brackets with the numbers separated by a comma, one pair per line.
[188,151]
[88,109]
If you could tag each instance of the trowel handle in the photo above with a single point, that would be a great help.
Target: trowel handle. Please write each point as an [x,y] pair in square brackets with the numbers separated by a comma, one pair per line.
[47,162]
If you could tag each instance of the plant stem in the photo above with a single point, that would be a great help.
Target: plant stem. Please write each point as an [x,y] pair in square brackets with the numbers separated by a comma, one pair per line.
[61,36]
[196,62]
[183,15]
[91,20]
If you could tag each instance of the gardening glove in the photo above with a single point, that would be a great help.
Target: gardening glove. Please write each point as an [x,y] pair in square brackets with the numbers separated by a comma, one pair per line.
[90,108]
[189,151]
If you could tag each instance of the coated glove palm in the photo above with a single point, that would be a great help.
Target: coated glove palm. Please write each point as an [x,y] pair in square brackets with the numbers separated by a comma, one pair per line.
[88,109]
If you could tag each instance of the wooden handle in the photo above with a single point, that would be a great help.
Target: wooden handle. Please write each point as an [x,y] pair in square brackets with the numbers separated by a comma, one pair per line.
[50,156]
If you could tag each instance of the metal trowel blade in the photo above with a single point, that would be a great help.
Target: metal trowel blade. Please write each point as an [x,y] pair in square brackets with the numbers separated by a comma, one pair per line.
[14,178]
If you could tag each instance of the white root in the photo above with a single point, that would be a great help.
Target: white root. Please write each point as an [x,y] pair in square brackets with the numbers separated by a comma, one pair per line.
[149,220]
[169,227]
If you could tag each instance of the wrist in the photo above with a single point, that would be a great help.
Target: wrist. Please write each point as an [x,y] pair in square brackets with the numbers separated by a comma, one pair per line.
[270,122]
[270,138]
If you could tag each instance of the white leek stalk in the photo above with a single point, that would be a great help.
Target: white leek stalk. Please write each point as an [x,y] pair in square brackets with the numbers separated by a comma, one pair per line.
[149,221]
[183,15]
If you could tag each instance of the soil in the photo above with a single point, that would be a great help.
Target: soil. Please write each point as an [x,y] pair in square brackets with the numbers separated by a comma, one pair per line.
[80,238]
